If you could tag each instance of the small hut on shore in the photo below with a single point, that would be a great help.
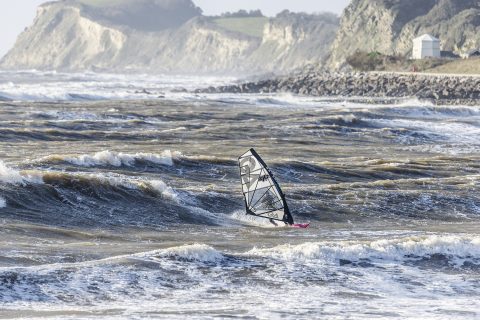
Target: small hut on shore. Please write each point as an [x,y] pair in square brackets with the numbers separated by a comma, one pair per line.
[426,46]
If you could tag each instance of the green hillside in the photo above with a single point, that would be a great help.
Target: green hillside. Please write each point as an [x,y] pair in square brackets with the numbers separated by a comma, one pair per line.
[103,3]
[252,26]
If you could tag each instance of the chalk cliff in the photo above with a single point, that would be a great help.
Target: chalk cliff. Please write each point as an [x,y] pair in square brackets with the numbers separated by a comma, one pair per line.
[164,36]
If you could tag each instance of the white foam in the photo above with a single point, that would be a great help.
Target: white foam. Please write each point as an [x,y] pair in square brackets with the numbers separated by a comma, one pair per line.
[12,176]
[33,85]
[408,102]
[194,252]
[118,159]
[458,132]
[448,149]
[3,202]
[166,158]
[250,220]
[9,175]
[163,189]
[456,247]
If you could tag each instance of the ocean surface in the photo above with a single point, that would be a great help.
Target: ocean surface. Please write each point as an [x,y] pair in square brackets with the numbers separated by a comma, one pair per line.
[120,199]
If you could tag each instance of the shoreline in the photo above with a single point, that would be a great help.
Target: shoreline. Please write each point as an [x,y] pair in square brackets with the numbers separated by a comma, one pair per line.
[438,89]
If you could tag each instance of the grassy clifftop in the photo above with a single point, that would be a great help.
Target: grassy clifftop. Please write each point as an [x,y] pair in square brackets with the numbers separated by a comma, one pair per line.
[252,26]
[144,15]
[104,3]
[467,66]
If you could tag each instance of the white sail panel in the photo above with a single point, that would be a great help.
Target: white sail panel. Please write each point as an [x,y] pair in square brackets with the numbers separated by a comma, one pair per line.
[276,215]
[263,196]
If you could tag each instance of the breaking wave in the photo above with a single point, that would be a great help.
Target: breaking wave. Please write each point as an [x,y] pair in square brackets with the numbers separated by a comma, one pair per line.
[195,252]
[115,159]
[105,199]
[9,175]
[12,176]
[110,182]
[162,188]
[456,249]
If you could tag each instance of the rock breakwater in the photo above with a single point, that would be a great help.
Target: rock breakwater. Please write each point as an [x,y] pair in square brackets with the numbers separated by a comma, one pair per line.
[449,89]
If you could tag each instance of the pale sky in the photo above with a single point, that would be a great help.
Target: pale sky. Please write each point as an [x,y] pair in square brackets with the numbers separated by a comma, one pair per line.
[17,15]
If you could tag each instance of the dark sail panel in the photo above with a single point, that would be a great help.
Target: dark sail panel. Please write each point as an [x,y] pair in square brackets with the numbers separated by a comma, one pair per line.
[263,196]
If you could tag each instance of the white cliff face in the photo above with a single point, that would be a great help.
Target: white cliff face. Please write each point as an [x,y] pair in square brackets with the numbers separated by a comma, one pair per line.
[283,35]
[211,49]
[62,38]
[389,26]
[69,36]
[99,43]
[291,41]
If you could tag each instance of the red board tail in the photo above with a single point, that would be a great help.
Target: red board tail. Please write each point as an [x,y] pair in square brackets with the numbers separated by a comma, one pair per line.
[301,225]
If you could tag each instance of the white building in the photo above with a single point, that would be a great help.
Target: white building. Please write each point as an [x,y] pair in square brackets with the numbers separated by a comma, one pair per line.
[426,46]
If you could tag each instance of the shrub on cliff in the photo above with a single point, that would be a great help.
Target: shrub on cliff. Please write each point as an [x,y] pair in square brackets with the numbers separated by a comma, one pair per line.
[375,61]
[366,61]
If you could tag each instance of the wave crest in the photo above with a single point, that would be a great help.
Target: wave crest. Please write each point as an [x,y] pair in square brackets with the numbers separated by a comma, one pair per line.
[163,189]
[116,159]
[9,175]
[12,176]
[110,180]
[456,248]
[194,252]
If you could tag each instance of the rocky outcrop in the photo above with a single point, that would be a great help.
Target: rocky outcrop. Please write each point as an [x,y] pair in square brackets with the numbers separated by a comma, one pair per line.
[167,36]
[438,88]
[388,26]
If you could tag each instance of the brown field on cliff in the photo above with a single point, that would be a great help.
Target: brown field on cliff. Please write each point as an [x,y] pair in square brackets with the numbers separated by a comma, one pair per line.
[467,66]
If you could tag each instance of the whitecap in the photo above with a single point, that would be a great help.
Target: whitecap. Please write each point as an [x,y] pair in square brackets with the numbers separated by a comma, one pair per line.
[9,175]
[194,252]
[117,159]
[12,176]
[457,248]
[163,189]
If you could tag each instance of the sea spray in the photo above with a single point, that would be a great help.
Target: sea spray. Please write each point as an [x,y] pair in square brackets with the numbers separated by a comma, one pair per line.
[9,175]
[12,176]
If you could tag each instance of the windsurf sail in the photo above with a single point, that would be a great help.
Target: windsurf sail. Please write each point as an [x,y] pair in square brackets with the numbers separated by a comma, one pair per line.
[262,194]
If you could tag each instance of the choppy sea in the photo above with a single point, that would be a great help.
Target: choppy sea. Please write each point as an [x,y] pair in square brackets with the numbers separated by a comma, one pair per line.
[120,199]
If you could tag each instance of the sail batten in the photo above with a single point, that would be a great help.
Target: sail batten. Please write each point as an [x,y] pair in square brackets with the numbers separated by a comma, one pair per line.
[262,194]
